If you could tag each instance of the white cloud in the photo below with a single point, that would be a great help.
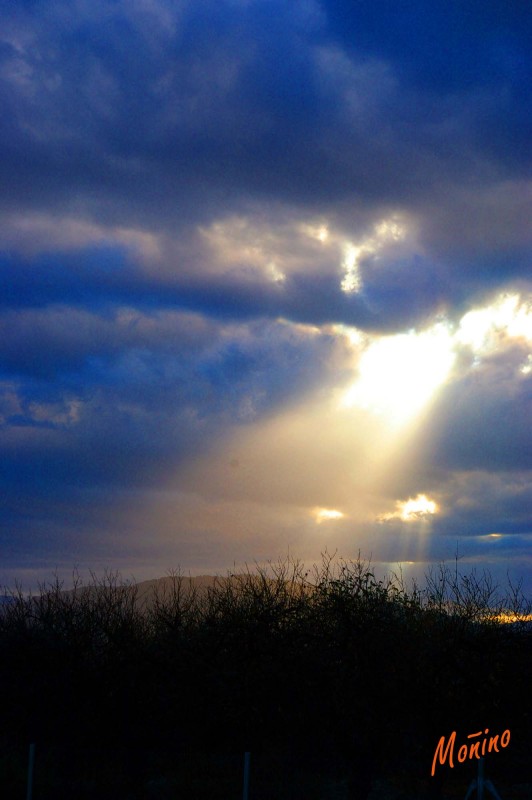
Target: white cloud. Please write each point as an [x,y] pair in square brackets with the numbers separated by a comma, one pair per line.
[326,514]
[413,509]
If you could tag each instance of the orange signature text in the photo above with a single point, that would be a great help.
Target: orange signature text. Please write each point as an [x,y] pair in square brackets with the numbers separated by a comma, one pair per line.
[480,744]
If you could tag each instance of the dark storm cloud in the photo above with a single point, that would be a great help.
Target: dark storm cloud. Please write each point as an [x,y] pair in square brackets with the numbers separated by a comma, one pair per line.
[255,98]
[105,277]
[57,341]
[482,421]
[443,49]
[479,503]
[172,103]
[122,398]
[165,117]
[398,292]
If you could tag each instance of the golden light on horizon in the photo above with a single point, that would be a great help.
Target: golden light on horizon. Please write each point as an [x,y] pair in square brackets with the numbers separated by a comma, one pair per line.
[506,618]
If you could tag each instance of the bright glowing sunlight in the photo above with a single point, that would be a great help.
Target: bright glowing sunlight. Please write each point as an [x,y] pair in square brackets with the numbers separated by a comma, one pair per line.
[326,514]
[481,328]
[414,508]
[398,374]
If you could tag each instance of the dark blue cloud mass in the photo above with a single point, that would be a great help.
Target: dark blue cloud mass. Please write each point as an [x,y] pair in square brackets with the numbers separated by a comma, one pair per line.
[197,199]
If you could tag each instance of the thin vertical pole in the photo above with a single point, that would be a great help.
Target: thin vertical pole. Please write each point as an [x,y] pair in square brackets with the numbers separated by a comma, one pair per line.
[245,793]
[31,764]
[480,780]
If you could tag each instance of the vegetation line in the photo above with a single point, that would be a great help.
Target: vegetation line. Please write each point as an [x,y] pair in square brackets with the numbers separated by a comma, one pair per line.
[324,674]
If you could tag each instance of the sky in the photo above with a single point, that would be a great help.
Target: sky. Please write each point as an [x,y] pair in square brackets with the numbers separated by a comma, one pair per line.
[265,272]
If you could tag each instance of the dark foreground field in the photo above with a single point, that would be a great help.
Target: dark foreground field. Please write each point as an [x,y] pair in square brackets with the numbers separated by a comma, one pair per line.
[340,686]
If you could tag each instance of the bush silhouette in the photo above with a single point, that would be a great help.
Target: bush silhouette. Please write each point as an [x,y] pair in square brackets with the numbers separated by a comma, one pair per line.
[329,673]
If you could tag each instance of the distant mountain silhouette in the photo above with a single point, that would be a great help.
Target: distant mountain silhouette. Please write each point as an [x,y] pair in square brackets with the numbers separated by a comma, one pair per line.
[148,591]
[161,587]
